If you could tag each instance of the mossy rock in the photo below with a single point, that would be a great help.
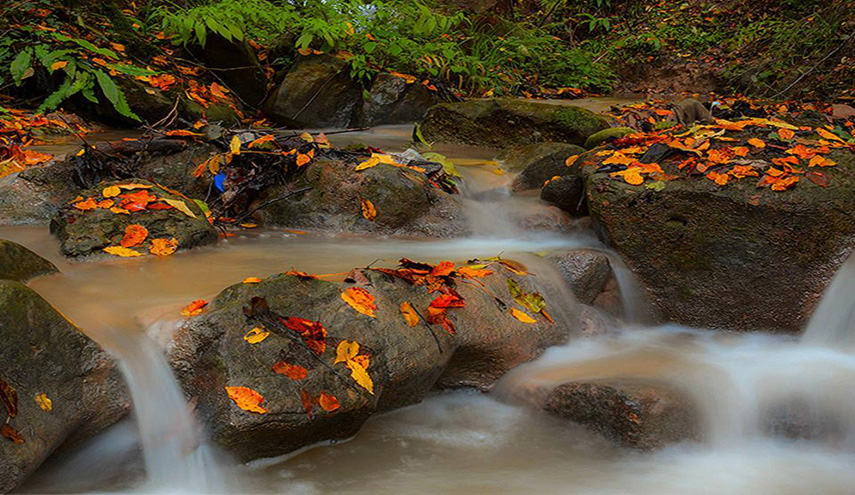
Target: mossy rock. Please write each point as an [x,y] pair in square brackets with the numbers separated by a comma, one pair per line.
[606,135]
[538,162]
[21,264]
[43,353]
[86,232]
[504,122]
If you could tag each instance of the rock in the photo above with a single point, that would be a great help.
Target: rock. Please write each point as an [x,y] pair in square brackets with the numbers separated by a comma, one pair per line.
[235,63]
[537,163]
[734,257]
[607,135]
[21,264]
[567,193]
[43,353]
[593,322]
[392,101]
[586,272]
[406,203]
[632,415]
[210,353]
[86,232]
[504,122]
[316,92]
[24,202]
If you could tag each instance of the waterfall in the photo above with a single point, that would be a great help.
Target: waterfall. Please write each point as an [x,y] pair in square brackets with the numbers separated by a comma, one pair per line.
[833,321]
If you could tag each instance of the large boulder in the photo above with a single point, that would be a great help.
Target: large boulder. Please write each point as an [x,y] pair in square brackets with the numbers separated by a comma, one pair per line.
[317,91]
[394,100]
[46,358]
[537,163]
[736,257]
[103,222]
[504,122]
[405,200]
[236,65]
[21,264]
[404,362]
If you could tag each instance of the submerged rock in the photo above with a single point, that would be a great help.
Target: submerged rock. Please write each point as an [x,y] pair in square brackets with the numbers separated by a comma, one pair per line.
[404,362]
[504,122]
[633,415]
[21,264]
[46,358]
[85,231]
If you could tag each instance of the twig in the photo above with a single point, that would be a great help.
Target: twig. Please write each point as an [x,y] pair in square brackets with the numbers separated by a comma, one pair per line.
[798,79]
[270,202]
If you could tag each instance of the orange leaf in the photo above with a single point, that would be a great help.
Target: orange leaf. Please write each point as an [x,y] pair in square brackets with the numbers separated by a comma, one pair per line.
[720,179]
[328,402]
[306,399]
[267,138]
[821,161]
[182,133]
[106,204]
[246,399]
[784,184]
[251,280]
[60,64]
[163,247]
[448,301]
[10,433]
[134,235]
[440,316]
[292,371]
[218,91]
[256,335]
[312,333]
[410,314]
[571,160]
[88,204]
[742,171]
[194,308]
[757,143]
[368,210]
[470,272]
[721,155]
[443,269]
[303,159]
[360,299]
[631,176]
[786,134]
[119,211]
[740,151]
[828,135]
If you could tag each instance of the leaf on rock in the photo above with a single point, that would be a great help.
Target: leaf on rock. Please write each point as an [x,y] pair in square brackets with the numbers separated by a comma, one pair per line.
[163,247]
[313,333]
[180,206]
[292,371]
[121,251]
[472,272]
[251,280]
[757,143]
[44,403]
[440,316]
[328,402]
[194,308]
[521,316]
[135,234]
[247,399]
[346,351]
[786,134]
[86,205]
[448,301]
[9,396]
[306,399]
[534,302]
[368,210]
[256,335]
[410,314]
[443,269]
[111,191]
[10,433]
[360,299]
[360,376]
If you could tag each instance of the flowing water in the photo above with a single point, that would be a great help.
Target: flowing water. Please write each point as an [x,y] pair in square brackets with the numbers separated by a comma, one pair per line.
[465,442]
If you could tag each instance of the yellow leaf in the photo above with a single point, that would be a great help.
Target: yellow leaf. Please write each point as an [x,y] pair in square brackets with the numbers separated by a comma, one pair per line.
[828,135]
[120,211]
[757,143]
[111,192]
[43,402]
[571,160]
[163,247]
[360,375]
[251,280]
[521,316]
[256,335]
[180,206]
[234,146]
[346,351]
[410,314]
[214,164]
[60,64]
[368,210]
[360,299]
[307,137]
[371,162]
[134,186]
[249,225]
[246,399]
[121,251]
[303,159]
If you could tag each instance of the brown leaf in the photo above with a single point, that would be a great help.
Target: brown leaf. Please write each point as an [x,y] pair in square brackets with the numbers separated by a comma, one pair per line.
[10,433]
[306,399]
[292,371]
[410,315]
[328,402]
[9,397]
[368,210]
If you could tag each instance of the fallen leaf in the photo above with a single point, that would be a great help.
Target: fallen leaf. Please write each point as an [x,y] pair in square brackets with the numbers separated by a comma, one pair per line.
[267,138]
[360,376]
[821,161]
[817,178]
[306,399]
[256,335]
[180,206]
[106,204]
[86,205]
[440,316]
[10,433]
[757,143]
[360,299]
[829,135]
[234,145]
[786,134]
[246,399]
[60,64]
[303,159]
[472,272]
[448,301]
[513,266]
[533,301]
[292,371]
[571,160]
[720,179]
[111,191]
[194,308]
[121,251]
[251,280]
[163,247]
[346,351]
[785,184]
[443,269]
[135,234]
[44,403]
[9,396]
[328,402]
[410,315]
[368,210]
[631,176]
[312,333]
[521,316]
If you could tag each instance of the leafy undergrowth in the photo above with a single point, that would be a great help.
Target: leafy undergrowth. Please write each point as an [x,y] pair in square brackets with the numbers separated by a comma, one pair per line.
[756,143]
[19,130]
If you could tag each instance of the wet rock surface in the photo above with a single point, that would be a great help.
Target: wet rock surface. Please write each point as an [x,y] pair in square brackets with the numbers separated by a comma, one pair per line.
[537,163]
[587,272]
[43,353]
[504,122]
[20,264]
[210,353]
[82,232]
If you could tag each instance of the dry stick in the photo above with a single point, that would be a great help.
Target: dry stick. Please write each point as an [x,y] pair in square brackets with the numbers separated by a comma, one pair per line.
[169,118]
[798,79]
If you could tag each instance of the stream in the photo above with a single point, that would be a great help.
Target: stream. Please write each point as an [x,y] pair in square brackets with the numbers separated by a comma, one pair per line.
[461,442]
